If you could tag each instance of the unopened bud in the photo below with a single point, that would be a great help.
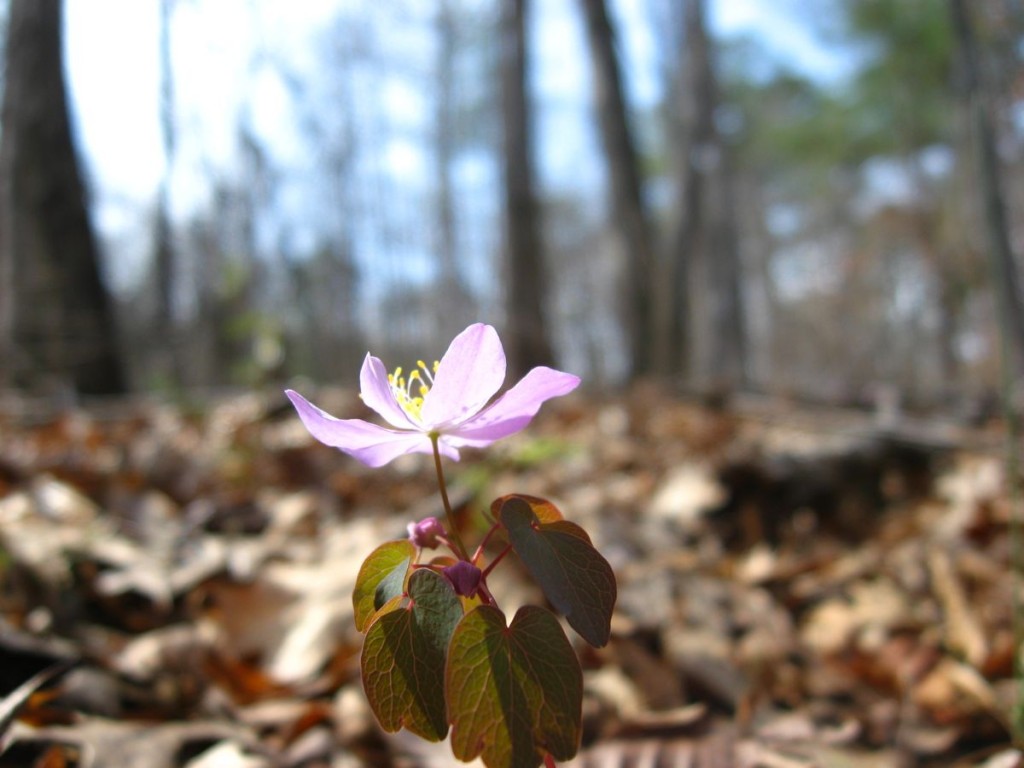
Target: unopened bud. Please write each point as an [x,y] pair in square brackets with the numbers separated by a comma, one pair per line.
[427,533]
[464,576]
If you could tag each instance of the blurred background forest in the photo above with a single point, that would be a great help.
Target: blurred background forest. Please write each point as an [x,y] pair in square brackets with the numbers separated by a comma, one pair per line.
[818,200]
[796,202]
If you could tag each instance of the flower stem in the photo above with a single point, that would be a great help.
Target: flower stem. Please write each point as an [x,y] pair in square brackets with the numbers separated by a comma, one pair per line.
[453,530]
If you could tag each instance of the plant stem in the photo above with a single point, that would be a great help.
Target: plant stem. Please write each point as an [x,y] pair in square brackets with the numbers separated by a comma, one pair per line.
[496,560]
[483,543]
[485,594]
[453,530]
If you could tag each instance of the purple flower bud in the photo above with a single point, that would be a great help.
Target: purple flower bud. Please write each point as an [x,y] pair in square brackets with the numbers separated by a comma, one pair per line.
[427,533]
[464,576]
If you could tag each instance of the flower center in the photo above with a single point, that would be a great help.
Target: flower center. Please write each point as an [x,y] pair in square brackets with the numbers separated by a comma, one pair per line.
[409,391]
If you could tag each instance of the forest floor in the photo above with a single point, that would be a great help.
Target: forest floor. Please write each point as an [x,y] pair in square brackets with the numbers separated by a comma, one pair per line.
[796,588]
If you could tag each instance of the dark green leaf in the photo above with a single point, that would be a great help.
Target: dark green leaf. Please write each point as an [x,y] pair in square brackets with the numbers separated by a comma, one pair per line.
[404,657]
[513,693]
[577,580]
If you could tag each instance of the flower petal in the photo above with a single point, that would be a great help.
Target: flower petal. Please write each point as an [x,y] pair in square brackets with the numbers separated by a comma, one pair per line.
[376,393]
[515,409]
[470,372]
[373,445]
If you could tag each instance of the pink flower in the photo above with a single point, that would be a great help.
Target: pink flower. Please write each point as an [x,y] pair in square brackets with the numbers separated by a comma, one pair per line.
[448,401]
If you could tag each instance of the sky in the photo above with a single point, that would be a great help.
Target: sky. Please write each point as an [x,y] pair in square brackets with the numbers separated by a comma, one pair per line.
[114,85]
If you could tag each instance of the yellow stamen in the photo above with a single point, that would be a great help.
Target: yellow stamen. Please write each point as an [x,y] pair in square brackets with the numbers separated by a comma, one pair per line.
[428,371]
[402,388]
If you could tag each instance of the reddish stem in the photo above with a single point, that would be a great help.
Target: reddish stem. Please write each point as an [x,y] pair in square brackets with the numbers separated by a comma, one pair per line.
[496,560]
[485,593]
[483,543]
[549,761]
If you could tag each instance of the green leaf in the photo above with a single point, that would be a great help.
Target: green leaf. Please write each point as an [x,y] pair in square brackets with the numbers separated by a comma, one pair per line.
[513,693]
[404,656]
[577,580]
[381,577]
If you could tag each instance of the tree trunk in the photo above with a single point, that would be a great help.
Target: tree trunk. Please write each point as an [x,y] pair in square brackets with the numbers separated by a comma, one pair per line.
[165,357]
[59,325]
[696,94]
[526,334]
[1004,267]
[729,327]
[455,307]
[628,209]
